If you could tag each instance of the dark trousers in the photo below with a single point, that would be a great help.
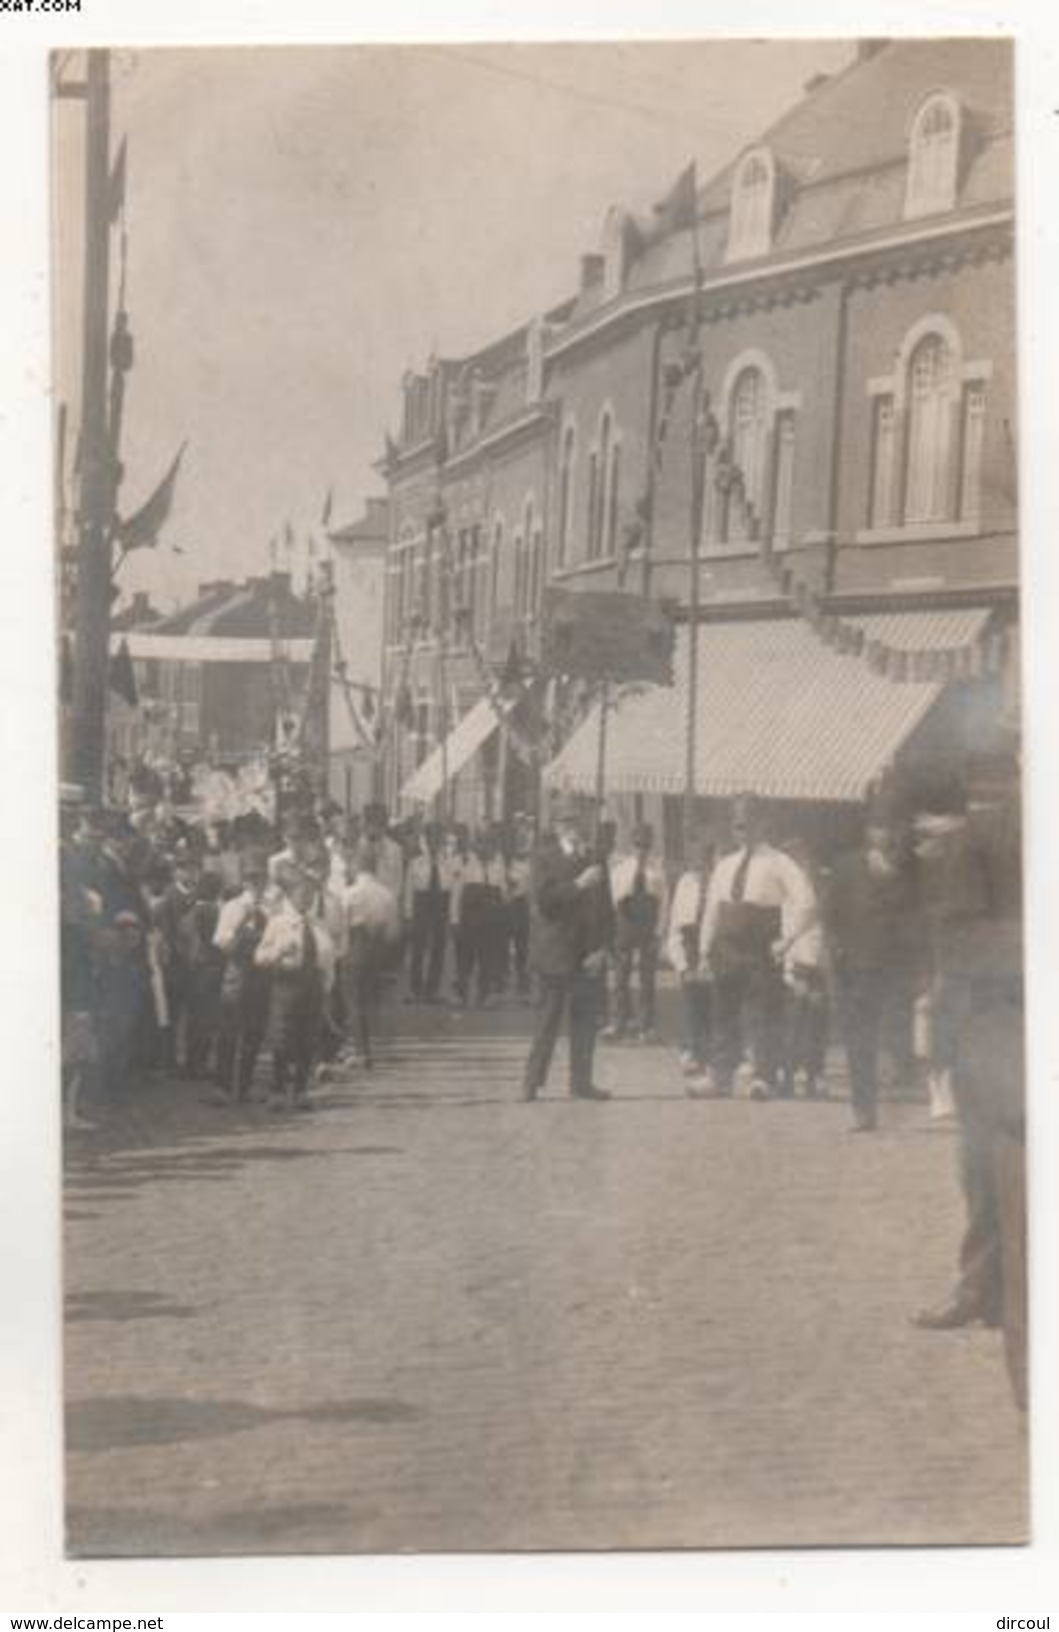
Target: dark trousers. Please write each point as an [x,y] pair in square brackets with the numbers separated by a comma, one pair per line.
[479,941]
[429,932]
[176,980]
[875,1009]
[805,1035]
[987,1081]
[364,979]
[748,1009]
[295,1013]
[516,934]
[696,994]
[580,993]
[203,1018]
[636,947]
[243,1020]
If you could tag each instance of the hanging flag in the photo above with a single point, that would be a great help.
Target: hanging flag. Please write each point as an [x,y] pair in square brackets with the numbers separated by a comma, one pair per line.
[676,212]
[142,528]
[288,537]
[325,513]
[121,676]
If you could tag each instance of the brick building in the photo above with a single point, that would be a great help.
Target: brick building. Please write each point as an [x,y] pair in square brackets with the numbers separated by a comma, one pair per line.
[205,675]
[857,334]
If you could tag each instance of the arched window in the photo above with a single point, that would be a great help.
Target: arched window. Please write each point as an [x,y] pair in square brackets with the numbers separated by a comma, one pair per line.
[748,429]
[928,436]
[566,493]
[525,601]
[752,211]
[612,500]
[593,502]
[603,478]
[602,489]
[933,156]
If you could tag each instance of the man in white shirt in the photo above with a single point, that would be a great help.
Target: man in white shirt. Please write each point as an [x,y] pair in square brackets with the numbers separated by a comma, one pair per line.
[758,903]
[372,930]
[684,948]
[298,950]
[478,917]
[387,854]
[638,889]
[428,892]
[244,988]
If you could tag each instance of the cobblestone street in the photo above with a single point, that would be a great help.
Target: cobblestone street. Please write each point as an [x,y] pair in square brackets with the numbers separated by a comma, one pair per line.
[429,1316]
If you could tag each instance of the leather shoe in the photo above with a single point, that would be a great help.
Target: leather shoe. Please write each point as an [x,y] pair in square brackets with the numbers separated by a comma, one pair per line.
[589,1093]
[947,1318]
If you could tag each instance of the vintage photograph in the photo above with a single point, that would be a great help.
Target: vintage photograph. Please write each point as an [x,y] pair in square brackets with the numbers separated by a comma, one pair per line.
[537,659]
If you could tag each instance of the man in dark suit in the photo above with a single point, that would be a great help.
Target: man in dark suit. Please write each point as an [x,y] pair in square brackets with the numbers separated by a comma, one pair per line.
[878,937]
[977,926]
[571,928]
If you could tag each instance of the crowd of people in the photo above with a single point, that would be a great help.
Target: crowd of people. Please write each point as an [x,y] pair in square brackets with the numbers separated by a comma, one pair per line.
[207,948]
[191,946]
[913,933]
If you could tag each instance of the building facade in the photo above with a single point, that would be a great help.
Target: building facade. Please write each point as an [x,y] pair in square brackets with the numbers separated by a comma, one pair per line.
[848,284]
[211,677]
[358,574]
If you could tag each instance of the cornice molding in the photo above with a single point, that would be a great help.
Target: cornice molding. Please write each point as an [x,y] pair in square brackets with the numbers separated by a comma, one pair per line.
[790,279]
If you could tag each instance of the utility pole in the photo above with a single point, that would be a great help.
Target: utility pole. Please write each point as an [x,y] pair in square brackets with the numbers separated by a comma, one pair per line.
[92,649]
[698,489]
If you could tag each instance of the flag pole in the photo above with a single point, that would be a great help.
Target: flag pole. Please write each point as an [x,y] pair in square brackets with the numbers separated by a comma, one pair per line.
[698,489]
[97,484]
[601,758]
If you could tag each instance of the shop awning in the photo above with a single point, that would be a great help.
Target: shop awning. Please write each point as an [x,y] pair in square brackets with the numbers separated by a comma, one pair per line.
[779,713]
[464,741]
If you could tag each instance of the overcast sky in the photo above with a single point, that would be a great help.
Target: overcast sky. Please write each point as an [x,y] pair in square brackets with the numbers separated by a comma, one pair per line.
[305,223]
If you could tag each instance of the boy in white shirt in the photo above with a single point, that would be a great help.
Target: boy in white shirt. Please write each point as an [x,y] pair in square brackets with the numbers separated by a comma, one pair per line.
[298,950]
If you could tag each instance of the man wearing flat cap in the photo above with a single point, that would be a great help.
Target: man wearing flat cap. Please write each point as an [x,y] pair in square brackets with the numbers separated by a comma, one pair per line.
[571,927]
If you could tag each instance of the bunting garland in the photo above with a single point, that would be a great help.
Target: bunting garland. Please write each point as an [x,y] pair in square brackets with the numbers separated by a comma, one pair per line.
[986,654]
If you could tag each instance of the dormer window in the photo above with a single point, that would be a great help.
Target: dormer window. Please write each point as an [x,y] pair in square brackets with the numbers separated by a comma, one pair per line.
[933,156]
[753,206]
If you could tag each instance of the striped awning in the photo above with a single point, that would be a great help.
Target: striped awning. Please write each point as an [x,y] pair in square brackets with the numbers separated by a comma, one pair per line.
[464,741]
[779,713]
